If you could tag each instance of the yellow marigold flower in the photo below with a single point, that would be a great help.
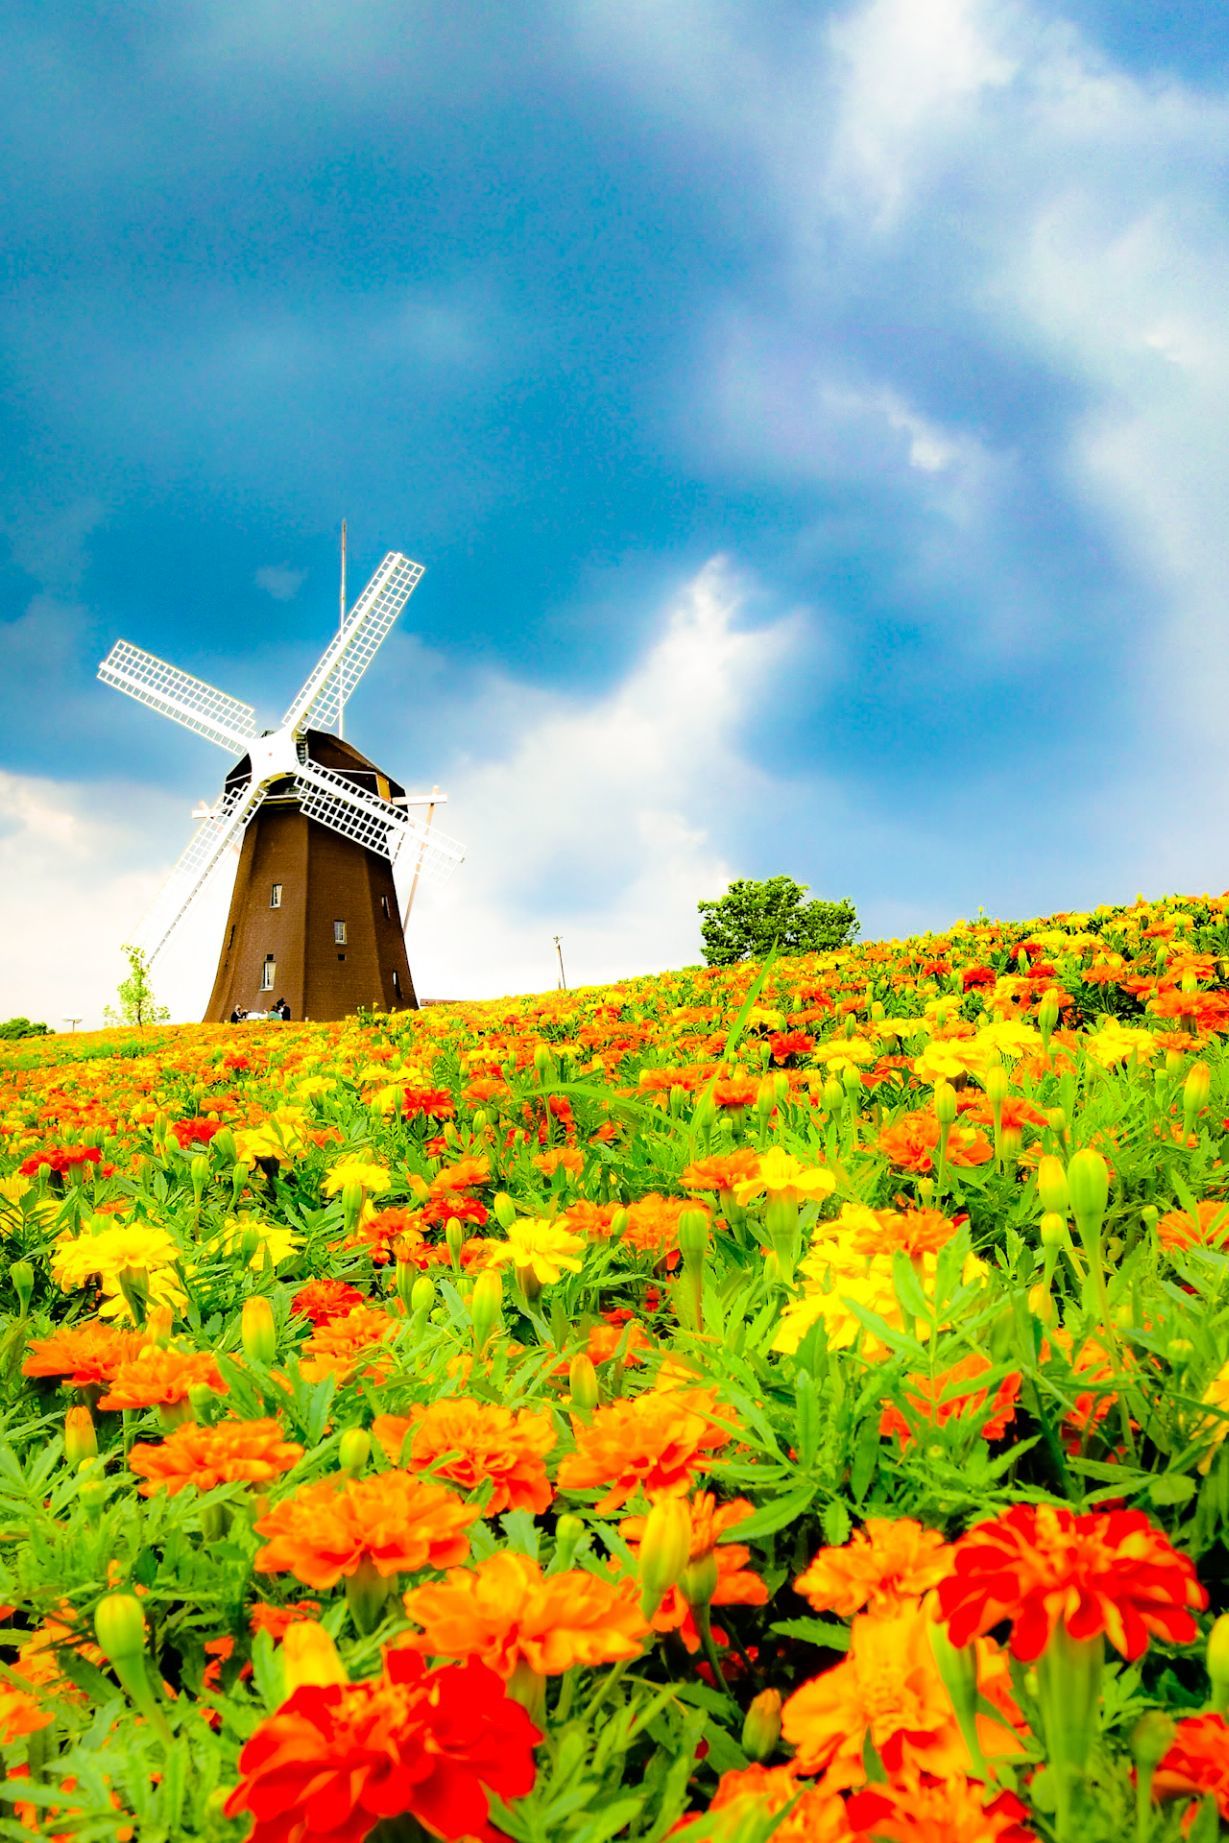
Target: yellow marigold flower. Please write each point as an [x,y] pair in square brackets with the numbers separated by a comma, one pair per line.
[110,1252]
[844,1053]
[538,1248]
[1215,1428]
[1009,1037]
[355,1169]
[275,1242]
[784,1178]
[267,1141]
[1114,1042]
[948,1057]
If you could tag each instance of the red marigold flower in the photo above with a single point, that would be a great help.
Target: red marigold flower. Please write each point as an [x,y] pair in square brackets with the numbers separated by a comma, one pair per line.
[1197,1763]
[194,1132]
[1039,1565]
[321,1301]
[335,1760]
[253,1451]
[59,1159]
[331,1528]
[949,1810]
[434,1103]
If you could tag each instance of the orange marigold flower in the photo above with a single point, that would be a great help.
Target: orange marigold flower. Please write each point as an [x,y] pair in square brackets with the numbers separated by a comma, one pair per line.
[332,1527]
[469,1442]
[888,1687]
[253,1451]
[322,1300]
[160,1378]
[349,1346]
[947,1395]
[721,1172]
[466,1174]
[953,1810]
[277,1620]
[656,1442]
[336,1759]
[1208,1229]
[507,1612]
[652,1225]
[887,1561]
[912,1143]
[1098,1571]
[625,1340]
[1197,1763]
[913,1231]
[752,1793]
[20,1714]
[737,1585]
[82,1355]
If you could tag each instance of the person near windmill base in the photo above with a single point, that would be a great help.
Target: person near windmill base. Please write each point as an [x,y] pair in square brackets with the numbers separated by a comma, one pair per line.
[282,1009]
[238,1015]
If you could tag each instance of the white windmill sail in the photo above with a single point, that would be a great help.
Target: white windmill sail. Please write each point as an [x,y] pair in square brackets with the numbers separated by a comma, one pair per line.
[367,820]
[355,645]
[200,707]
[206,847]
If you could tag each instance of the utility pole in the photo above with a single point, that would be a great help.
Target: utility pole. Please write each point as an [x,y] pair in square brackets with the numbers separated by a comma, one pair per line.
[341,621]
[72,1021]
[563,978]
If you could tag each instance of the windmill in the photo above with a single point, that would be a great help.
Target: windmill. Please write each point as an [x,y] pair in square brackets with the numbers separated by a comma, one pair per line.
[314,916]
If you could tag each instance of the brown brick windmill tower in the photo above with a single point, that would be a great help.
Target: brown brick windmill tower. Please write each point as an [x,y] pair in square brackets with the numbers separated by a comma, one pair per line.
[314,916]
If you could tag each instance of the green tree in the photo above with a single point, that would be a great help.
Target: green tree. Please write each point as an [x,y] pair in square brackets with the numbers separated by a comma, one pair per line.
[16,1027]
[753,917]
[137,1004]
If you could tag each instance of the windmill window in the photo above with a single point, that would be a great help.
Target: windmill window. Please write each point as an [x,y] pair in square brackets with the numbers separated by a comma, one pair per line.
[275,898]
[268,973]
[341,956]
[384,905]
[396,982]
[339,933]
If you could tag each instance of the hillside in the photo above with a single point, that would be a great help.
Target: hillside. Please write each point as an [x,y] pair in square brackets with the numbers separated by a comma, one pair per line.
[789,1399]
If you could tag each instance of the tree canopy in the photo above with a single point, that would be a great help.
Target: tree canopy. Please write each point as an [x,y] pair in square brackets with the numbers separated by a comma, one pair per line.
[136,1002]
[754,916]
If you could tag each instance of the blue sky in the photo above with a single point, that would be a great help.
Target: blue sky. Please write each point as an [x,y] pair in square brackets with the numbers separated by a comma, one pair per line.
[812,419]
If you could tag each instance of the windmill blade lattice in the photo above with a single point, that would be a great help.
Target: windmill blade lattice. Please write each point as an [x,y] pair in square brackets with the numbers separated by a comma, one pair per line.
[367,820]
[205,848]
[355,645]
[200,707]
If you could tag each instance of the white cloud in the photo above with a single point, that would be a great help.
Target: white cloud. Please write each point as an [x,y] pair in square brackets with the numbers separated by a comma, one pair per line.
[280,581]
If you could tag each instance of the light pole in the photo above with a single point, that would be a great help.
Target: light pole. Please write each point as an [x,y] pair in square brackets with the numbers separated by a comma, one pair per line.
[563,978]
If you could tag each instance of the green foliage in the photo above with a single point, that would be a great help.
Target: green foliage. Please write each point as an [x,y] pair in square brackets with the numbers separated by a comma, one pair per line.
[753,917]
[137,1004]
[14,1027]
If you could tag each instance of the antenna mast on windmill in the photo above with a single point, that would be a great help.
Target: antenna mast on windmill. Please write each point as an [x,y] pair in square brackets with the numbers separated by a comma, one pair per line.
[313,916]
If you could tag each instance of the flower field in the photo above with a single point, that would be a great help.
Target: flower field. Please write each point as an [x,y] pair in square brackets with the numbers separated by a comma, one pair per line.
[781,1401]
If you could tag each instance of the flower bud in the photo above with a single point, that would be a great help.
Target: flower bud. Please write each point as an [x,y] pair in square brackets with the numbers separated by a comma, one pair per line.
[762,1725]
[80,1437]
[353,1450]
[1088,1184]
[199,1169]
[945,1103]
[257,1330]
[699,1580]
[309,1658]
[119,1626]
[422,1294]
[224,1146]
[352,1196]
[996,1085]
[485,1307]
[1052,1186]
[504,1209]
[1054,1230]
[582,1383]
[1218,1662]
[1195,1093]
[693,1238]
[834,1094]
[568,1537]
[1047,1015]
[664,1551]
[454,1239]
[1151,1738]
[1056,1120]
[21,1273]
[1180,1352]
[543,1061]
